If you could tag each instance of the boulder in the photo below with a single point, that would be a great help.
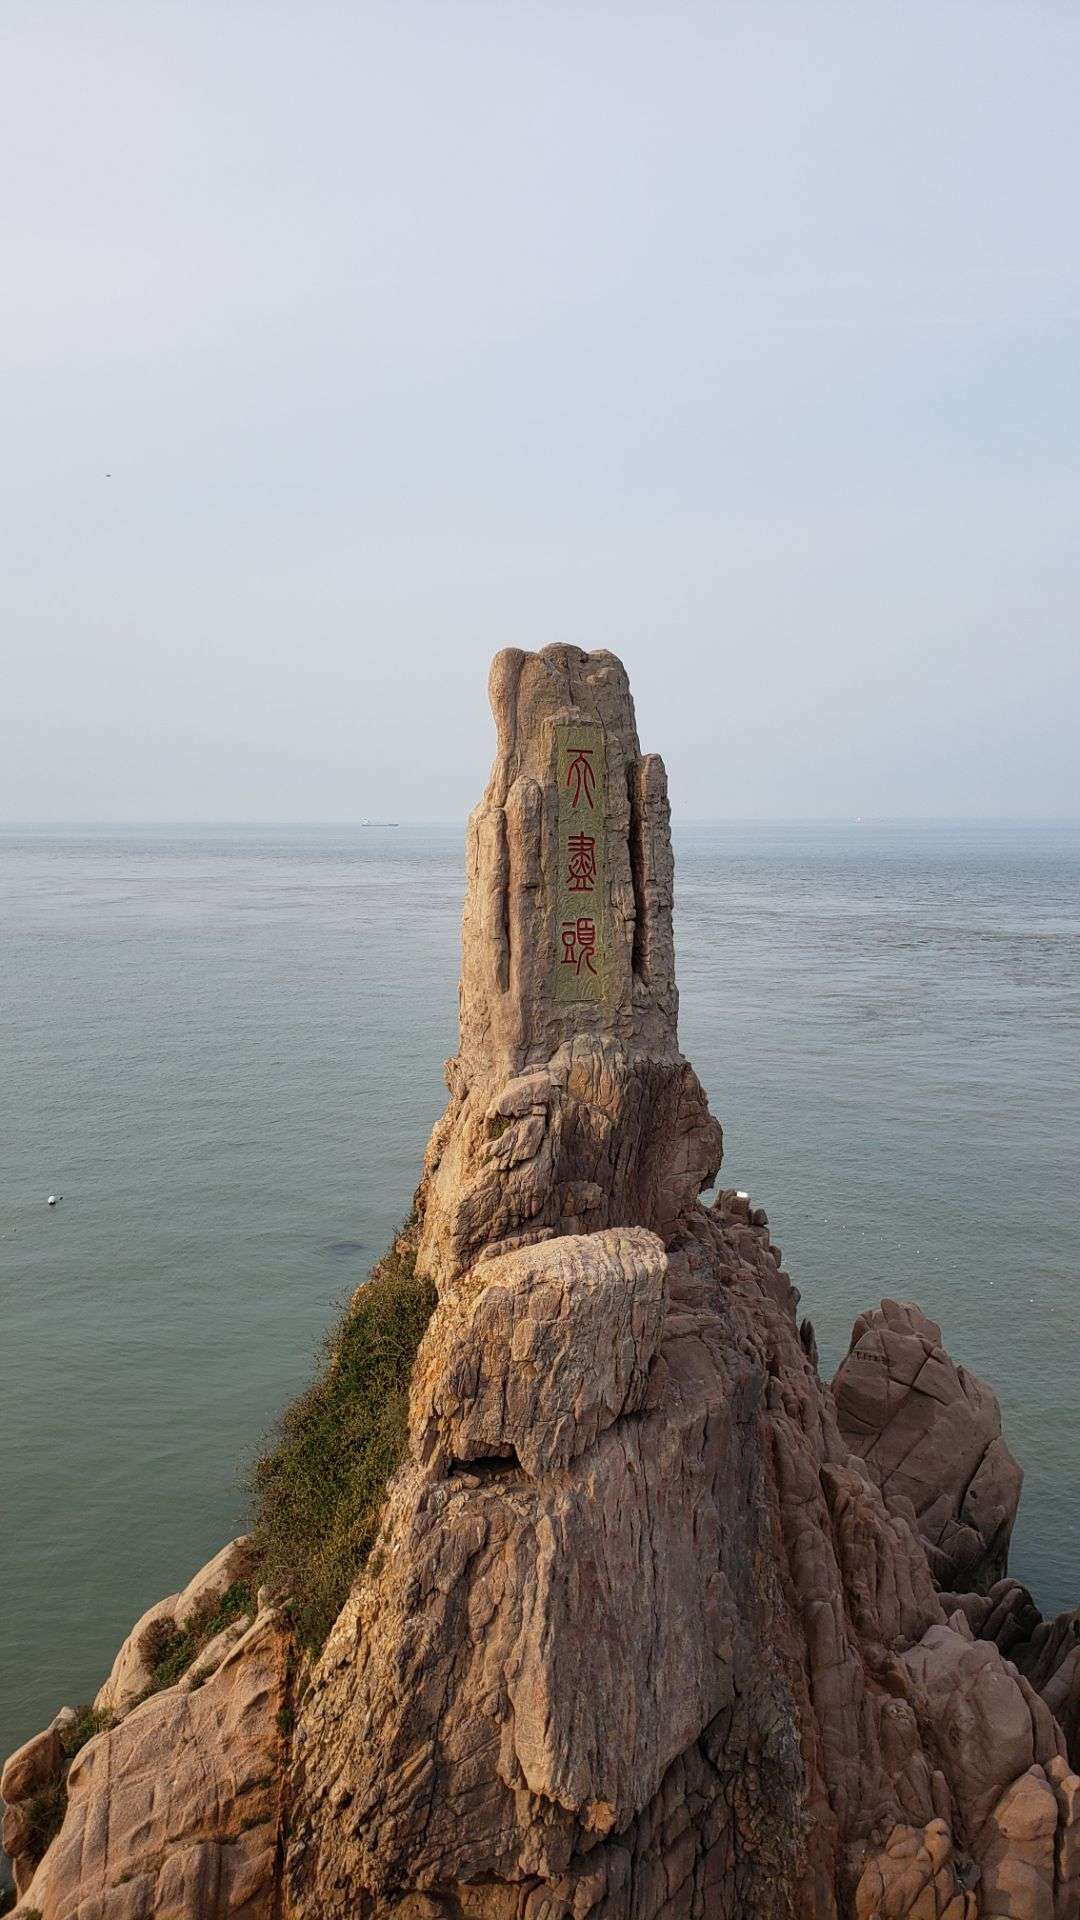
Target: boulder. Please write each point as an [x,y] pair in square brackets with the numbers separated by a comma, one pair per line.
[1046,1652]
[929,1434]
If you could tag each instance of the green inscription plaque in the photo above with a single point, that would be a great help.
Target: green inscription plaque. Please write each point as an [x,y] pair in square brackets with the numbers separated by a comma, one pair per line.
[581,957]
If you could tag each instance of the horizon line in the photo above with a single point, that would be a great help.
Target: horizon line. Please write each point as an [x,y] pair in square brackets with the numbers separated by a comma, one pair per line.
[460,821]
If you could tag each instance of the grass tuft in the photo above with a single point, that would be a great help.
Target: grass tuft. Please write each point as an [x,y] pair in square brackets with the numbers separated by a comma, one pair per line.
[173,1650]
[45,1811]
[87,1722]
[319,1488]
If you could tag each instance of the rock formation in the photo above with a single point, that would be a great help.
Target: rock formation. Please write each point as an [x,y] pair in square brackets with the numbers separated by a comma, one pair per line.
[929,1433]
[174,1806]
[650,1631]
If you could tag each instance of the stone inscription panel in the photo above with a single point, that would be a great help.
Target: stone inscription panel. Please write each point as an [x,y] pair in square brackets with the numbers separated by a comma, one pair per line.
[581,956]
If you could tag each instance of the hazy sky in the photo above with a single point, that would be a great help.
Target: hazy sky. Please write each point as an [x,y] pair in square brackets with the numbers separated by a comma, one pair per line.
[740,338]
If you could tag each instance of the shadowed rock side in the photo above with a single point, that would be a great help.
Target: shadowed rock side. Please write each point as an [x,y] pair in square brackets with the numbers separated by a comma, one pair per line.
[641,1637]
[929,1433]
[1046,1652]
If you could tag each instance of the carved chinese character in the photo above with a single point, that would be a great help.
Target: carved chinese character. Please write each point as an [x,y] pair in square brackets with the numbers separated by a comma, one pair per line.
[581,863]
[579,943]
[580,775]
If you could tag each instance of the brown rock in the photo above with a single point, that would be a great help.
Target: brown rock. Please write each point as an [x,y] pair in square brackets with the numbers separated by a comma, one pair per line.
[540,1350]
[566,1114]
[131,1672]
[929,1433]
[643,1636]
[32,1766]
[1046,1652]
[174,1813]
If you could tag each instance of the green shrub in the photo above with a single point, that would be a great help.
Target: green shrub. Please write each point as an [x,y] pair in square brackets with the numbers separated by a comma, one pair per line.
[156,1640]
[86,1723]
[177,1647]
[45,1811]
[320,1486]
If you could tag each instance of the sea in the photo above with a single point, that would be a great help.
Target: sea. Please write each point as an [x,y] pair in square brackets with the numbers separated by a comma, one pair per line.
[222,1051]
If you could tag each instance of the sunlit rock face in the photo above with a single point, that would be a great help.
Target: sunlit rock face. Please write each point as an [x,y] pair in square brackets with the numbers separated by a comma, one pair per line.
[642,1637]
[571,1108]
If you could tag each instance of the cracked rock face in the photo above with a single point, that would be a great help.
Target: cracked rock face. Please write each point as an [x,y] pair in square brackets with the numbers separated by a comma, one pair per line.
[642,1639]
[175,1813]
[929,1434]
[566,1114]
[651,1630]
[530,1358]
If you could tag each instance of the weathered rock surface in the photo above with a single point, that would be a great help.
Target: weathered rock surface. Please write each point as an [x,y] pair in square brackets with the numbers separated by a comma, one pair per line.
[650,1631]
[564,1117]
[174,1814]
[640,1656]
[929,1434]
[537,1351]
[1046,1652]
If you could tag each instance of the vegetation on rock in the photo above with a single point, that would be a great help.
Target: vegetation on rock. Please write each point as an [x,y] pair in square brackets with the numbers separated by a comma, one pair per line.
[320,1486]
[45,1811]
[88,1721]
[170,1650]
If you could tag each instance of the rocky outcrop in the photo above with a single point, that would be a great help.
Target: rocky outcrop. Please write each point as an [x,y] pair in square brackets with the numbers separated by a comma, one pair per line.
[132,1670]
[530,1359]
[1046,1652]
[176,1811]
[173,1806]
[929,1434]
[643,1640]
[651,1629]
[566,1115]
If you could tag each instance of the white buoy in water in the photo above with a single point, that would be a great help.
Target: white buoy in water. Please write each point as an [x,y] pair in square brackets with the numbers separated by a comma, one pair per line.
[52,1199]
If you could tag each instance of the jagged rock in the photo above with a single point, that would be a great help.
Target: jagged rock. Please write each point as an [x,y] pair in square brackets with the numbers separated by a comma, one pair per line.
[538,1651]
[174,1813]
[641,1638]
[1046,1652]
[915,1878]
[131,1672]
[624,1655]
[565,1115]
[539,1350]
[35,1764]
[929,1433]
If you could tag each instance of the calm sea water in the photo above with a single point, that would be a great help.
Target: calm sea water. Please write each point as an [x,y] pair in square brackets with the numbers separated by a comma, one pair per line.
[223,1047]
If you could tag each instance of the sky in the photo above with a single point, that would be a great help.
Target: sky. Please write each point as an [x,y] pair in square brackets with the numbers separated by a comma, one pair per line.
[343,344]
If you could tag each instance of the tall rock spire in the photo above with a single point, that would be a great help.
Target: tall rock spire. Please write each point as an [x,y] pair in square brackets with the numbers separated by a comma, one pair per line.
[571,1107]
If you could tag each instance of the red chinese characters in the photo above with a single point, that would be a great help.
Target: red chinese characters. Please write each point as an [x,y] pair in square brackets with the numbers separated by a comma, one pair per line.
[581,862]
[581,776]
[579,944]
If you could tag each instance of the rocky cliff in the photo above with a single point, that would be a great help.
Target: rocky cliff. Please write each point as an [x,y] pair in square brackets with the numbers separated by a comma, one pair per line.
[657,1625]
